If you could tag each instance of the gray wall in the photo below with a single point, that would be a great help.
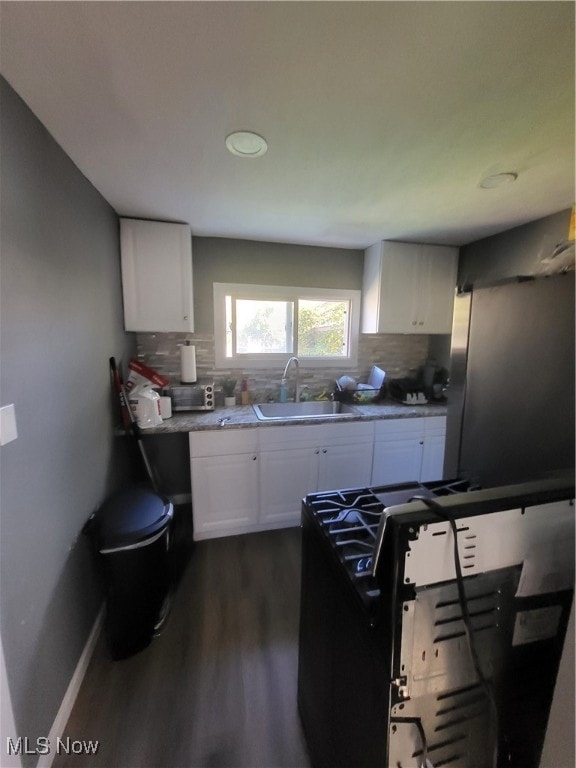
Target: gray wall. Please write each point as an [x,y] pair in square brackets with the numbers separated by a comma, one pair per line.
[61,320]
[512,253]
[222,260]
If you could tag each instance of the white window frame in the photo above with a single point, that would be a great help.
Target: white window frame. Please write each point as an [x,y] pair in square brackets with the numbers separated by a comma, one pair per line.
[283,293]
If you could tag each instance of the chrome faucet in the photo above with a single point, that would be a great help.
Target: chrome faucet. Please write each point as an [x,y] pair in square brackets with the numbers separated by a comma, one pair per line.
[297,366]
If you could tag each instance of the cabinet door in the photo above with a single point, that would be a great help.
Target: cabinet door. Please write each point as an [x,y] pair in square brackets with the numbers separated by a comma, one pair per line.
[344,466]
[433,458]
[224,493]
[397,460]
[156,275]
[408,288]
[400,288]
[286,476]
[437,274]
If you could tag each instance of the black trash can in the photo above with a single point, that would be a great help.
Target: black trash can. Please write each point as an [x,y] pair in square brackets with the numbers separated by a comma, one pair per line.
[131,535]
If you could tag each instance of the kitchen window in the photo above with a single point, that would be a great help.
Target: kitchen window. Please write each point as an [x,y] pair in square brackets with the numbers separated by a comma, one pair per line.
[259,325]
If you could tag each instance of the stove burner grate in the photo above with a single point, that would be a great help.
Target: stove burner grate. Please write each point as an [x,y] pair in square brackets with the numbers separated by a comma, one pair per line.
[350,518]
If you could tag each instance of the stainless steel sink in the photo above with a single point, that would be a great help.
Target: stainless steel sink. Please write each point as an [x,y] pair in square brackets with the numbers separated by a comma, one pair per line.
[304,410]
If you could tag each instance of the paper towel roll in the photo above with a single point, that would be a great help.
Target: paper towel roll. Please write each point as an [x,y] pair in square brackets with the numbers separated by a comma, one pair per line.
[188,364]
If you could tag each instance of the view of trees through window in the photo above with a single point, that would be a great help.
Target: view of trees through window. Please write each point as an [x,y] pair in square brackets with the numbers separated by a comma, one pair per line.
[263,326]
[322,328]
[267,327]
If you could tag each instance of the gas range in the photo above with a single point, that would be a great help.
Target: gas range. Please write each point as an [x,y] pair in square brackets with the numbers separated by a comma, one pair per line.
[351,521]
[432,620]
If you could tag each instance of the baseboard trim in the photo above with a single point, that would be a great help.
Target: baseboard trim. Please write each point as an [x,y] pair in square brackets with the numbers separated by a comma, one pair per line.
[59,724]
[181,498]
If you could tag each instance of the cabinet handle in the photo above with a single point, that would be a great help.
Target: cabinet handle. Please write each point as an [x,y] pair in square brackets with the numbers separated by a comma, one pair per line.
[254,458]
[421,322]
[421,442]
[324,450]
[413,322]
[185,317]
[317,452]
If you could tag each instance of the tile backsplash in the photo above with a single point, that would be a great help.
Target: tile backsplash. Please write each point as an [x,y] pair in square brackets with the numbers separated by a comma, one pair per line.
[399,355]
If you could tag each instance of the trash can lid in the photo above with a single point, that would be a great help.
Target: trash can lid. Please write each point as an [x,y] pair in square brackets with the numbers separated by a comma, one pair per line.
[130,517]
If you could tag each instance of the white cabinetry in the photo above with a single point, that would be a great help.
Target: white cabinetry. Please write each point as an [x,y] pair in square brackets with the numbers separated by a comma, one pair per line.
[224,481]
[345,465]
[408,288]
[254,479]
[433,449]
[246,480]
[408,449]
[296,460]
[156,276]
[288,474]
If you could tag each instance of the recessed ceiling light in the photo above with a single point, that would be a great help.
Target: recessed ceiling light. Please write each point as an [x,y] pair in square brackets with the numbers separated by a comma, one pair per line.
[498,179]
[246,144]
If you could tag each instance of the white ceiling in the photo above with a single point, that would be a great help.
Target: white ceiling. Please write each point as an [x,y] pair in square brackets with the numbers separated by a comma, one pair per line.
[381,117]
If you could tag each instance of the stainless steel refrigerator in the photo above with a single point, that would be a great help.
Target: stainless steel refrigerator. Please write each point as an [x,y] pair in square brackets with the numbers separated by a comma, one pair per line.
[511,396]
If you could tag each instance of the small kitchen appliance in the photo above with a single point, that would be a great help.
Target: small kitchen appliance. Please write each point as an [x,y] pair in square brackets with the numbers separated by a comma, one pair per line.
[432,622]
[192,397]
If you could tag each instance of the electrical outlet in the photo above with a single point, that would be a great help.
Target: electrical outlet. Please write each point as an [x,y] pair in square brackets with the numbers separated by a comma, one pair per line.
[8,431]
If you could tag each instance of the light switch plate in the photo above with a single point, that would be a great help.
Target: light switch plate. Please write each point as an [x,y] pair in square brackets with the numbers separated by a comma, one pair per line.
[8,431]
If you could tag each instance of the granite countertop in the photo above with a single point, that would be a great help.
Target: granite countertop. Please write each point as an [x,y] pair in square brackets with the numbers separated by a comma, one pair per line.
[243,416]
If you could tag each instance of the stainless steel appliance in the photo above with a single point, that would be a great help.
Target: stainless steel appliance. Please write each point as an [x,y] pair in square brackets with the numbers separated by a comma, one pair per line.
[192,397]
[415,652]
[511,397]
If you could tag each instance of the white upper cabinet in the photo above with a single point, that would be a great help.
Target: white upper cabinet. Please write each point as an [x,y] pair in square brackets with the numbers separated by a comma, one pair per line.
[156,275]
[408,288]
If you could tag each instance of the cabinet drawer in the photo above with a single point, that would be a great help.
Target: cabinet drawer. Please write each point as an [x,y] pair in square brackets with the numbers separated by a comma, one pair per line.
[392,428]
[435,425]
[284,437]
[410,427]
[345,433]
[307,436]
[223,442]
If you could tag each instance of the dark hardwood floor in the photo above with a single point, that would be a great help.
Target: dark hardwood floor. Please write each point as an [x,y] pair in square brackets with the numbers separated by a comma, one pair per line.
[217,689]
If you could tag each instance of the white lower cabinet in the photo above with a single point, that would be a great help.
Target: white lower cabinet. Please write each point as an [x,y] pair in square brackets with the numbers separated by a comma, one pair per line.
[296,460]
[433,456]
[345,466]
[247,480]
[408,449]
[286,476]
[254,479]
[225,478]
[225,492]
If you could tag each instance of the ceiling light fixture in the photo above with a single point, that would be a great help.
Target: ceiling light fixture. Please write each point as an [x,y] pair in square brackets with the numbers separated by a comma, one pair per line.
[246,144]
[498,179]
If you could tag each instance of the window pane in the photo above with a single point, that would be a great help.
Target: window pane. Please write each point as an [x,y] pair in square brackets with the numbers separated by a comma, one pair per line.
[322,328]
[263,326]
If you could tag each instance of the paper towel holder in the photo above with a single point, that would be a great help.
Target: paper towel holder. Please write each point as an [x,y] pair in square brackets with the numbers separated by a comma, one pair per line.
[188,363]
